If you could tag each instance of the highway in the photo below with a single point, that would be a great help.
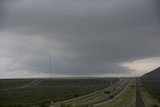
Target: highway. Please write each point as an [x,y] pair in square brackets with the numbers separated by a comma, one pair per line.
[99,98]
[139,100]
[115,95]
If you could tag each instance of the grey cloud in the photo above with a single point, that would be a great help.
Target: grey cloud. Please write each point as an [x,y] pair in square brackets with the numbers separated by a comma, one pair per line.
[87,37]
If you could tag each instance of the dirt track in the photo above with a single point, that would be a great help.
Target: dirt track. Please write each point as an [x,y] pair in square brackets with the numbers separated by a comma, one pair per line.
[139,100]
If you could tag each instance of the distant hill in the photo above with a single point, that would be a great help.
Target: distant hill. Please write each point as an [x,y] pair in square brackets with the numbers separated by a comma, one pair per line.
[155,73]
[151,81]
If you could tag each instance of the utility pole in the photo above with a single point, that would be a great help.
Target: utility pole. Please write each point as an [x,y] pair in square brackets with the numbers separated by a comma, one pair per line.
[50,76]
[50,64]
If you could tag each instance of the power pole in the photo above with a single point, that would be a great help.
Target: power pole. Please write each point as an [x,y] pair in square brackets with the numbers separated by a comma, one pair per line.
[50,64]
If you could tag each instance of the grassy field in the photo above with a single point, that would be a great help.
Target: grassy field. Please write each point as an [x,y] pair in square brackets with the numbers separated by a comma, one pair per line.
[148,99]
[151,82]
[29,92]
[91,98]
[152,85]
[127,99]
[150,91]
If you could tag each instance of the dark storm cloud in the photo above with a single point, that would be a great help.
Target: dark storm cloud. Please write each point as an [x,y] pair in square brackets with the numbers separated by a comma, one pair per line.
[87,37]
[1,12]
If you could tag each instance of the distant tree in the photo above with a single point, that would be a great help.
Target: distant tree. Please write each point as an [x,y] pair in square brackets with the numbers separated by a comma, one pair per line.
[107,92]
[65,105]
[155,105]
[132,86]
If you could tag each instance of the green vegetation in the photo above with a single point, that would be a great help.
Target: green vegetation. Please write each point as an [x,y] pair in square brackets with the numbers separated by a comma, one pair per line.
[127,99]
[151,81]
[39,92]
[151,85]
[151,88]
[148,99]
[100,94]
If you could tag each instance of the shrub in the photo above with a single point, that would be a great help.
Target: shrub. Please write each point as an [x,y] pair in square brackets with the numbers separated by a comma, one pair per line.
[107,92]
[155,105]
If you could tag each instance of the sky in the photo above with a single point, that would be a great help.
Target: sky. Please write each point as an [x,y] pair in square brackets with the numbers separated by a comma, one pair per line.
[86,38]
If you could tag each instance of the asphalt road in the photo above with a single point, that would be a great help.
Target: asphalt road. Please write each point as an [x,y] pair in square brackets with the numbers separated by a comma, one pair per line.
[139,100]
[85,97]
[100,101]
[116,94]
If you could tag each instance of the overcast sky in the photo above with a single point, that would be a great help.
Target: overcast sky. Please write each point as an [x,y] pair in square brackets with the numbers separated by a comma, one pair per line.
[85,37]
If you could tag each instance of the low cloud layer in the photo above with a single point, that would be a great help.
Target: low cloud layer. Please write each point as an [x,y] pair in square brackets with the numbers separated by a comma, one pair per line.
[87,37]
